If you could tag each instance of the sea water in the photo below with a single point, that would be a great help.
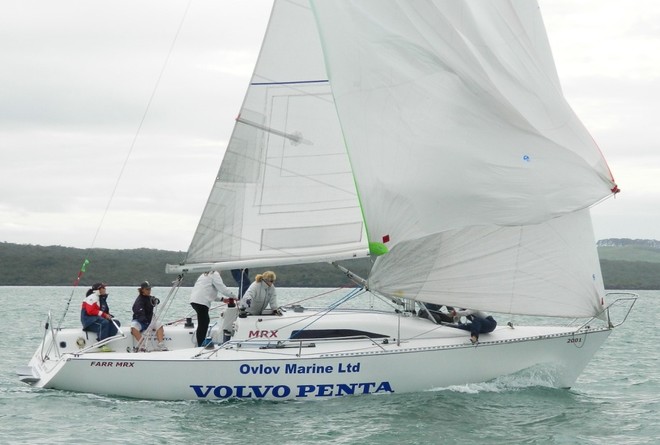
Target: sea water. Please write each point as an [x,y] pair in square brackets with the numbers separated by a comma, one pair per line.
[615,401]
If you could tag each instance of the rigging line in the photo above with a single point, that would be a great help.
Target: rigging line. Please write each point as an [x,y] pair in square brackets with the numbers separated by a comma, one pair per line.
[128,155]
[322,313]
[160,313]
[144,116]
[317,295]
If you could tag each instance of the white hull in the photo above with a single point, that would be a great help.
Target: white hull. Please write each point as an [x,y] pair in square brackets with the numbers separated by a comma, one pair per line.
[429,356]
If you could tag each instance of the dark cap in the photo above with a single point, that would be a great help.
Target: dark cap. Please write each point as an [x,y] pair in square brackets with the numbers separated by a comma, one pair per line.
[144,285]
[97,286]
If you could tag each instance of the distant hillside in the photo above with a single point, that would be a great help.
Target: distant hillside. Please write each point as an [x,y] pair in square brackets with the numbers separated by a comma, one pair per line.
[56,265]
[623,249]
[626,264]
[33,265]
[627,242]
[630,263]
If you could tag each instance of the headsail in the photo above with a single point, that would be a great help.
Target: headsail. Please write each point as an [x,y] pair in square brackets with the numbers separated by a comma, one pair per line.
[459,136]
[549,269]
[453,116]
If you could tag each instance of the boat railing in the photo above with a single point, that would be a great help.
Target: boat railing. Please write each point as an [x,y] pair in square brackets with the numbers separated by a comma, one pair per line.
[53,347]
[99,344]
[623,305]
[620,307]
[44,352]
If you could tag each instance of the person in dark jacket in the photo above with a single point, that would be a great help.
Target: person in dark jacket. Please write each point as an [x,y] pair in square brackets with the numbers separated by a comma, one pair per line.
[478,322]
[143,313]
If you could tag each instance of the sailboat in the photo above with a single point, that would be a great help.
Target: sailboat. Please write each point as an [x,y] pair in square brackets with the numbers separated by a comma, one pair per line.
[431,137]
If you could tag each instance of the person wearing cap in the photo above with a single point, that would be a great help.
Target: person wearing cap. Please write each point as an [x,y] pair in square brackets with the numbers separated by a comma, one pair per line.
[208,288]
[95,313]
[143,313]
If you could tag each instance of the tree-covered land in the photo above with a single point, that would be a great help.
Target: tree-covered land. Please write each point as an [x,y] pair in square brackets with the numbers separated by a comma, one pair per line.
[31,265]
[626,264]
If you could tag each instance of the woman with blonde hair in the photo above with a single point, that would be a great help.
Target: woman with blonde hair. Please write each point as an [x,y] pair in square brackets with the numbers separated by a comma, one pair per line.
[260,294]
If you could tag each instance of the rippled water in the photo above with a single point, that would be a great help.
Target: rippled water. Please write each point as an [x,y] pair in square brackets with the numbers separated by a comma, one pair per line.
[615,401]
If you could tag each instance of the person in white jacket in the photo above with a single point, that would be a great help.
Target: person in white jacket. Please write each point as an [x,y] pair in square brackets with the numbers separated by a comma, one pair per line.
[208,288]
[259,295]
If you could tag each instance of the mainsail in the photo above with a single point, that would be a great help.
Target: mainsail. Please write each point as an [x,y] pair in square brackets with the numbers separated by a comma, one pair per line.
[285,191]
[435,128]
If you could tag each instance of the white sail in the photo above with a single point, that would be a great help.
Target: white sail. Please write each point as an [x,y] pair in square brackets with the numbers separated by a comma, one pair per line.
[454,117]
[547,269]
[470,166]
[459,136]
[285,192]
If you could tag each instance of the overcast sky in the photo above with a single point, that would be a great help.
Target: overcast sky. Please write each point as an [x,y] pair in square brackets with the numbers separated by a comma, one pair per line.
[76,78]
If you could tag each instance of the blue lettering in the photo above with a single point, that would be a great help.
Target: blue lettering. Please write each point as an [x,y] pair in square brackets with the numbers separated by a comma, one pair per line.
[324,390]
[222,392]
[303,390]
[343,389]
[384,386]
[199,392]
[261,369]
[366,387]
[261,394]
[239,392]
[349,367]
[281,391]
